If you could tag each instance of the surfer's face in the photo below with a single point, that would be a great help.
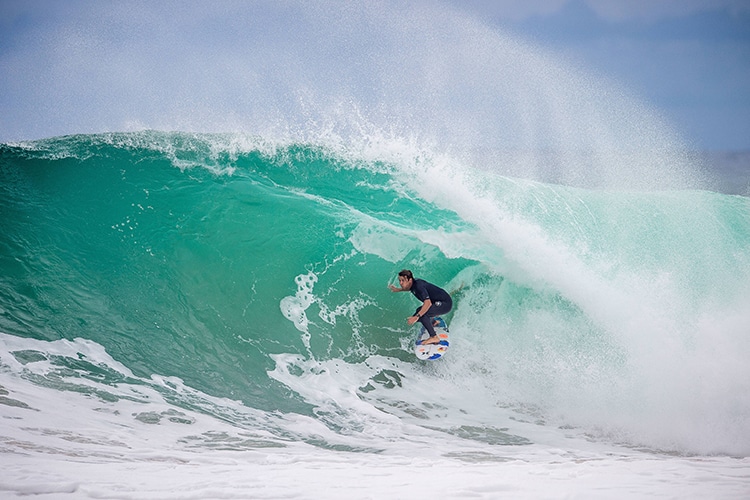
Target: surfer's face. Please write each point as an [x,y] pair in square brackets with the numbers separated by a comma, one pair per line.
[405,282]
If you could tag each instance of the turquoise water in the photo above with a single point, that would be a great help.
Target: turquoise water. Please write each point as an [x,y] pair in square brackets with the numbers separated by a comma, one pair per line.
[226,260]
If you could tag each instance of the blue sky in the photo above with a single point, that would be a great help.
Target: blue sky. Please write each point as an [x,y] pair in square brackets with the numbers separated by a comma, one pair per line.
[688,58]
[94,66]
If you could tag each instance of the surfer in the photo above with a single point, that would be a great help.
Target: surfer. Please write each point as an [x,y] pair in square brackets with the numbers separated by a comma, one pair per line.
[435,301]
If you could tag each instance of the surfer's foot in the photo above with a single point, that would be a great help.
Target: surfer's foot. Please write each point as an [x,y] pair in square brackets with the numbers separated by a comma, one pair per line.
[432,340]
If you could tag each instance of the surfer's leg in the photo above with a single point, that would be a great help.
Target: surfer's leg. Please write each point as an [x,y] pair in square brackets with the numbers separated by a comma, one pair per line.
[433,338]
[428,324]
[438,309]
[426,321]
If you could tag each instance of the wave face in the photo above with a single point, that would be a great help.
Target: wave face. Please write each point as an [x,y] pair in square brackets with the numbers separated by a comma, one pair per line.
[246,279]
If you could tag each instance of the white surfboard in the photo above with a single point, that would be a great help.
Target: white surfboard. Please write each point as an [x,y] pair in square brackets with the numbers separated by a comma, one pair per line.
[432,351]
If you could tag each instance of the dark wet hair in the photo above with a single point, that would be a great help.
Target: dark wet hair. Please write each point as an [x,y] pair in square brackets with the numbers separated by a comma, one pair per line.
[406,274]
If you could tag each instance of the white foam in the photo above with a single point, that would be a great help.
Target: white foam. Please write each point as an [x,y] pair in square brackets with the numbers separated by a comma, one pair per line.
[405,435]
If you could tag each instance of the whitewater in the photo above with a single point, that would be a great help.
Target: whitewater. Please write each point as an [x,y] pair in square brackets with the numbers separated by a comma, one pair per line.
[197,306]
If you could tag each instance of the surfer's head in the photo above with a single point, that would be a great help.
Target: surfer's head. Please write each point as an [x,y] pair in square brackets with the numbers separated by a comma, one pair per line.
[405,279]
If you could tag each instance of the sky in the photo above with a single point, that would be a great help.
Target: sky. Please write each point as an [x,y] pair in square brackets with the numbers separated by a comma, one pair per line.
[84,66]
[689,58]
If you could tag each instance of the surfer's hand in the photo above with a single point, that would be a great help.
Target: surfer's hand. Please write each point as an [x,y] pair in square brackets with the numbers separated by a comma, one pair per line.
[393,288]
[412,319]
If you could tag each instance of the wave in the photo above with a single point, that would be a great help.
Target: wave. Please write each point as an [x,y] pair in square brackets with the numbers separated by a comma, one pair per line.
[255,270]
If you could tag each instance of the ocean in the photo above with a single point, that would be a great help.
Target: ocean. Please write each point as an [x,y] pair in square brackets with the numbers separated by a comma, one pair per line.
[196,304]
[207,316]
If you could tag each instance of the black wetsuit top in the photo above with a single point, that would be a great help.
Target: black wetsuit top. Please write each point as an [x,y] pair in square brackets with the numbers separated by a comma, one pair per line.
[424,290]
[441,302]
